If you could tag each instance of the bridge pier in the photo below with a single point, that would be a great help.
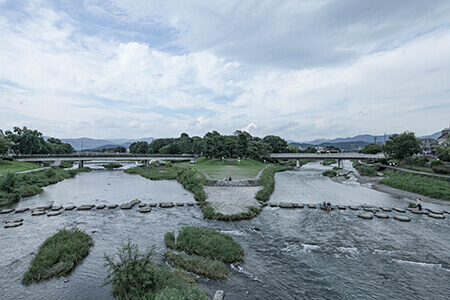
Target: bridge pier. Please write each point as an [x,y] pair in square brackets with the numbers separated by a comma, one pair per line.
[80,164]
[340,163]
[146,163]
[297,164]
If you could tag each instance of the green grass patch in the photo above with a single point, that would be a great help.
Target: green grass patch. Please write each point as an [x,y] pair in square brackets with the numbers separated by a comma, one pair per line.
[208,243]
[328,162]
[199,265]
[133,275]
[112,166]
[365,170]
[220,169]
[14,186]
[427,186]
[330,173]
[66,164]
[58,255]
[17,166]
[153,172]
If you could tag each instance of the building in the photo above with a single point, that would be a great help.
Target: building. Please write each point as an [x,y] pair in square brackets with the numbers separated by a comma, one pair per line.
[444,136]
[428,146]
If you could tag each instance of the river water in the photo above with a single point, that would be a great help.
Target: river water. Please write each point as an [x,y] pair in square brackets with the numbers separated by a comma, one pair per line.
[290,254]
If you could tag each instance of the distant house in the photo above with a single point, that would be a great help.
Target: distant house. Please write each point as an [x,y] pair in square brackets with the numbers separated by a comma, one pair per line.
[428,146]
[443,136]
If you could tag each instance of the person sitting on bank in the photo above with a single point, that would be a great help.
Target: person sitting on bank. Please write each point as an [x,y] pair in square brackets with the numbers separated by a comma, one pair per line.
[324,205]
[419,204]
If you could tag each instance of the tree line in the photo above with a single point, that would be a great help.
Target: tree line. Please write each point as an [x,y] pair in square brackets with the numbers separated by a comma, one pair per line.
[28,141]
[214,145]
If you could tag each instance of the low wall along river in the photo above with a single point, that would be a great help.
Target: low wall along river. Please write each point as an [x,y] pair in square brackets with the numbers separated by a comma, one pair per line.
[290,253]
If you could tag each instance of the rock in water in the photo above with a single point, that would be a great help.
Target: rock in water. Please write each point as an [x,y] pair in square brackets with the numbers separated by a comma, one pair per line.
[6,211]
[381,215]
[145,209]
[400,210]
[20,210]
[70,207]
[385,209]
[53,213]
[126,206]
[10,225]
[287,205]
[112,206]
[190,204]
[101,206]
[353,207]
[368,216]
[166,204]
[180,204]
[436,216]
[402,218]
[38,213]
[14,221]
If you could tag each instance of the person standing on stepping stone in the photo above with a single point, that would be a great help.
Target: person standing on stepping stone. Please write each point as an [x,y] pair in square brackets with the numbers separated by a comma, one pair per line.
[419,204]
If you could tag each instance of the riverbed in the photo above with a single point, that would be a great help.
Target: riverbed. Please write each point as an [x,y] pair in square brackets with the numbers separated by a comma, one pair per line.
[290,254]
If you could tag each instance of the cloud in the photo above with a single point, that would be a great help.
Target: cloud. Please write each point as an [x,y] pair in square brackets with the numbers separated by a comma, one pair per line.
[300,70]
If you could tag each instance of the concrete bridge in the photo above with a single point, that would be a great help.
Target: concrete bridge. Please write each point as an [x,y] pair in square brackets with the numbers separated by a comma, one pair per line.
[81,157]
[338,156]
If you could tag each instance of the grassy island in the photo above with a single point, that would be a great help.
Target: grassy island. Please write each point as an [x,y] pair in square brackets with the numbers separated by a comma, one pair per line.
[133,275]
[208,250]
[13,186]
[58,255]
[112,166]
[427,186]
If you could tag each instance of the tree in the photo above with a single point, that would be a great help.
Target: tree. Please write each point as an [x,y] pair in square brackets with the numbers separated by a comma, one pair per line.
[55,146]
[27,141]
[444,149]
[139,147]
[5,144]
[158,144]
[402,145]
[371,149]
[310,150]
[275,143]
[258,149]
[184,143]
[243,139]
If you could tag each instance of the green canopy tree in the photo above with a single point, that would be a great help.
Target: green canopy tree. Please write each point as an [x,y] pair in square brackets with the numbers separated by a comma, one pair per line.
[372,149]
[275,143]
[402,145]
[27,141]
[5,144]
[140,147]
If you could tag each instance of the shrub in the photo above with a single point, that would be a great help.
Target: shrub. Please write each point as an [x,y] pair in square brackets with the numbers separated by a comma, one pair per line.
[365,170]
[412,205]
[441,169]
[435,163]
[58,255]
[209,243]
[327,162]
[134,276]
[199,265]
[8,182]
[111,166]
[330,173]
[7,158]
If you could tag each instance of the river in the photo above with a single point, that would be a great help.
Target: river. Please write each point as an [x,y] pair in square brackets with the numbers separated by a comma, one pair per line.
[290,254]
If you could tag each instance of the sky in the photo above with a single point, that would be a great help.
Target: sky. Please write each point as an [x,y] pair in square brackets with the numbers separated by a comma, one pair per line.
[298,69]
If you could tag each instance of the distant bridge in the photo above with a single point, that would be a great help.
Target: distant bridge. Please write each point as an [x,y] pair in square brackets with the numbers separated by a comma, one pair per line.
[81,157]
[338,156]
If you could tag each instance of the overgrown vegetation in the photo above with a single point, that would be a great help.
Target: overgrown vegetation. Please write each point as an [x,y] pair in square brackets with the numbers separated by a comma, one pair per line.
[330,173]
[14,186]
[365,170]
[134,275]
[207,243]
[328,162]
[199,265]
[58,255]
[112,166]
[268,181]
[427,186]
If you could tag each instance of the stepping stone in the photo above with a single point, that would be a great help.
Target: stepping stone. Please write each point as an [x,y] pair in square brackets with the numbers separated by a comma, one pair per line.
[56,208]
[10,225]
[112,206]
[410,208]
[434,211]
[44,207]
[14,221]
[400,210]
[367,216]
[142,205]
[38,213]
[53,213]
[145,209]
[447,212]
[420,212]
[166,204]
[298,205]
[153,204]
[312,206]
[85,207]
[325,208]
[371,209]
[20,210]
[436,216]
[101,206]
[6,211]
[273,205]
[126,206]
[381,215]
[353,207]
[70,207]
[135,201]
[180,204]
[286,205]
[385,209]
[342,207]
[190,204]
[402,218]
